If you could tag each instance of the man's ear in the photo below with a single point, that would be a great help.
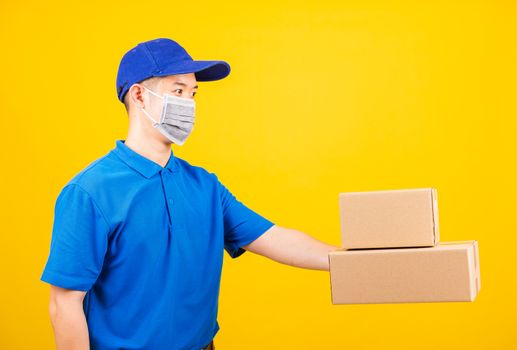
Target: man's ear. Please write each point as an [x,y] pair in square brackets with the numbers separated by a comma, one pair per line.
[135,95]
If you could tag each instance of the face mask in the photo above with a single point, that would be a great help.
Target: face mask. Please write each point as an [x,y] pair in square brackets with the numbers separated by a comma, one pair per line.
[176,119]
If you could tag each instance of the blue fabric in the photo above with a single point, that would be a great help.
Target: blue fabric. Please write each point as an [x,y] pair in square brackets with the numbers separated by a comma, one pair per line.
[147,245]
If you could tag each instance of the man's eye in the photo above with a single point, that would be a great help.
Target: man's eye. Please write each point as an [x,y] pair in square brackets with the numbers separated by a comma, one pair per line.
[178,90]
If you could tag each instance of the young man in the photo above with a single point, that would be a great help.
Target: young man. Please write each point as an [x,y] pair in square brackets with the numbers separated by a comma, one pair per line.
[139,234]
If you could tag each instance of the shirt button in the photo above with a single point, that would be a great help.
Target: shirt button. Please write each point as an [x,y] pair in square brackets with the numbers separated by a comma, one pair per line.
[171,200]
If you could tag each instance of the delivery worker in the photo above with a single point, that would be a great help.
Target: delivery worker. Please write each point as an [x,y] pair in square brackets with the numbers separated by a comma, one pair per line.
[139,234]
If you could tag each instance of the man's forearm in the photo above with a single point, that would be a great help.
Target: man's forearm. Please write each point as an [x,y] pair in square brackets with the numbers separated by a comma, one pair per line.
[292,247]
[70,327]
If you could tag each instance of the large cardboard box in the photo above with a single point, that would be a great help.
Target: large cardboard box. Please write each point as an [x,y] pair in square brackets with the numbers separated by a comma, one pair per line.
[448,271]
[389,218]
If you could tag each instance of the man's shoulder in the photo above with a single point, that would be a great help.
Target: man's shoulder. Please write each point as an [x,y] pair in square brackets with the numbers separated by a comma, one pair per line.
[96,174]
[196,172]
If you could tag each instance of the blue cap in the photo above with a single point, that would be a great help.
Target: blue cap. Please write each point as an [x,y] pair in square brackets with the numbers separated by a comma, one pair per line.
[161,57]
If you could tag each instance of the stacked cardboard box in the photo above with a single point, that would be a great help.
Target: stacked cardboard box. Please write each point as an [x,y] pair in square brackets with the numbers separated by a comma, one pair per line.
[391,251]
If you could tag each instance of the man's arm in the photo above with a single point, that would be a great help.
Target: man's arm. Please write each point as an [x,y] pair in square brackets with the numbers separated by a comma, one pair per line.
[68,319]
[292,247]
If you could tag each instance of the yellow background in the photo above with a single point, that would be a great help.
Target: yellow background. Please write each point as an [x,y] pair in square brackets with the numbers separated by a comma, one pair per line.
[323,97]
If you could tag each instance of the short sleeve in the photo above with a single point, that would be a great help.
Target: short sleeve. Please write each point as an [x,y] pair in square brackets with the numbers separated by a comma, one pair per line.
[242,225]
[79,241]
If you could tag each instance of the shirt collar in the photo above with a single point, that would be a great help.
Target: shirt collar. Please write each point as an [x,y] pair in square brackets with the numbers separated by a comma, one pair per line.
[138,162]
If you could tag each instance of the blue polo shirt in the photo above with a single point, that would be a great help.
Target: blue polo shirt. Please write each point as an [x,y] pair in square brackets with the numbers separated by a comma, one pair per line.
[146,242]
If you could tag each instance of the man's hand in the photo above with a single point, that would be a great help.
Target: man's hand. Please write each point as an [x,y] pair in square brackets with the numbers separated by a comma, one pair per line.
[292,247]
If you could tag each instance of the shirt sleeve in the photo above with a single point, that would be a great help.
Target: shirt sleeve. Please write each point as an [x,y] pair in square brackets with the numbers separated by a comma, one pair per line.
[79,241]
[242,225]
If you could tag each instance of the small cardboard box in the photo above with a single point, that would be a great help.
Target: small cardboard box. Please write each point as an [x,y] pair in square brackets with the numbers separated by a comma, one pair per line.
[448,271]
[389,218]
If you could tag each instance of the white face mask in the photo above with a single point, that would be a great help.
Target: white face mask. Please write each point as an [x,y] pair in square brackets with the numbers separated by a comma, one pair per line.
[177,117]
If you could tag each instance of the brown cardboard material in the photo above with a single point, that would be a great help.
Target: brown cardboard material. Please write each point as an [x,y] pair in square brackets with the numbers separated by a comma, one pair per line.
[446,272]
[389,218]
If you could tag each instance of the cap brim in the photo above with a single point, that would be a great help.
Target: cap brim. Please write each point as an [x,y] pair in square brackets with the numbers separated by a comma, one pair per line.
[204,70]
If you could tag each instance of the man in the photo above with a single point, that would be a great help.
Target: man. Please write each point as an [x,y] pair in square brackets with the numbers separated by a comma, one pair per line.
[139,234]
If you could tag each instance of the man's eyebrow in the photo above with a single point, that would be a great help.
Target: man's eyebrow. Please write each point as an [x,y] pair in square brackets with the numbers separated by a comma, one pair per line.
[183,84]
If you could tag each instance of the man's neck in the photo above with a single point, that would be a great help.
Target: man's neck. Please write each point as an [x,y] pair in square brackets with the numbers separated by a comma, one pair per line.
[150,148]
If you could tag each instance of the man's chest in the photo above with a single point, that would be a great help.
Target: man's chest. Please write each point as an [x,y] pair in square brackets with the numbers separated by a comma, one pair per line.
[164,215]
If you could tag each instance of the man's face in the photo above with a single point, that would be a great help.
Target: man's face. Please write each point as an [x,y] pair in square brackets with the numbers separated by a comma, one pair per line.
[181,85]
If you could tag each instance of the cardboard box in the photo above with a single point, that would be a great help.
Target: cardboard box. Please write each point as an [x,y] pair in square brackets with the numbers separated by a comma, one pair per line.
[389,218]
[448,271]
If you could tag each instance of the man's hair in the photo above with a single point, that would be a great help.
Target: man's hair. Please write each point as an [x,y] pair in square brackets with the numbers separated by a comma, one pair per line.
[149,83]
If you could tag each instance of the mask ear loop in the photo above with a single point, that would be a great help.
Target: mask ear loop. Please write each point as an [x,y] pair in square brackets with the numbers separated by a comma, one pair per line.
[155,123]
[152,92]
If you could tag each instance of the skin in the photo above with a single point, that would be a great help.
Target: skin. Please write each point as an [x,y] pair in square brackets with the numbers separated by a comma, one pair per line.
[68,319]
[142,137]
[281,244]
